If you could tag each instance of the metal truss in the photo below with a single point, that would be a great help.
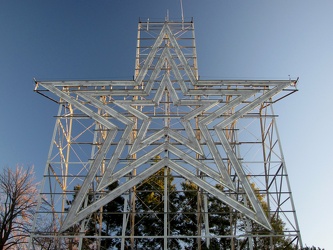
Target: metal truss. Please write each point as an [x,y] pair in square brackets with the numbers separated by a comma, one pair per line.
[166,126]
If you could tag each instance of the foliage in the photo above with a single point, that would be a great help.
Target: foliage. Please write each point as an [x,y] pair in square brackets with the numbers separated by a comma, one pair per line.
[112,220]
[312,248]
[18,201]
[150,210]
[220,219]
[277,225]
[110,224]
[185,218]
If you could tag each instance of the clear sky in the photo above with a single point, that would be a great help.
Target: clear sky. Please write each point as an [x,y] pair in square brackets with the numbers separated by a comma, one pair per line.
[257,39]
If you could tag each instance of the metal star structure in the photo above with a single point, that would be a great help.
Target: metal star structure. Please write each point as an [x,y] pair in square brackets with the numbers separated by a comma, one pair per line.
[165,111]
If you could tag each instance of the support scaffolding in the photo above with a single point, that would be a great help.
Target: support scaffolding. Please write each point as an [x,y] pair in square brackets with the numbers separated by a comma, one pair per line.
[166,161]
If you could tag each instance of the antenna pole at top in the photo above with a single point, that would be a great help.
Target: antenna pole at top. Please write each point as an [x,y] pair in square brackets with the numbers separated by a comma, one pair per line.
[167,16]
[182,11]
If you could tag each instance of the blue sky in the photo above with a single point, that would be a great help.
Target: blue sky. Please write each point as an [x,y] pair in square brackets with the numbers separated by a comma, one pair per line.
[257,39]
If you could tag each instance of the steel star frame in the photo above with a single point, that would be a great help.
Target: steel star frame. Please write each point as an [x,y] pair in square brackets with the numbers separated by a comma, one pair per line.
[219,136]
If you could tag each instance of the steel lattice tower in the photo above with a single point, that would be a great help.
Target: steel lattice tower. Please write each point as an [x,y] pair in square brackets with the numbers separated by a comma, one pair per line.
[168,159]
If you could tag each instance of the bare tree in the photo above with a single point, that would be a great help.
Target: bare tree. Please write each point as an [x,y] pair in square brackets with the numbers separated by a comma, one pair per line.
[18,200]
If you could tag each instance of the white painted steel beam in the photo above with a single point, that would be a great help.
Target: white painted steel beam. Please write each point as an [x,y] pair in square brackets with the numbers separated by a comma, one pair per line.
[221,196]
[81,195]
[80,215]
